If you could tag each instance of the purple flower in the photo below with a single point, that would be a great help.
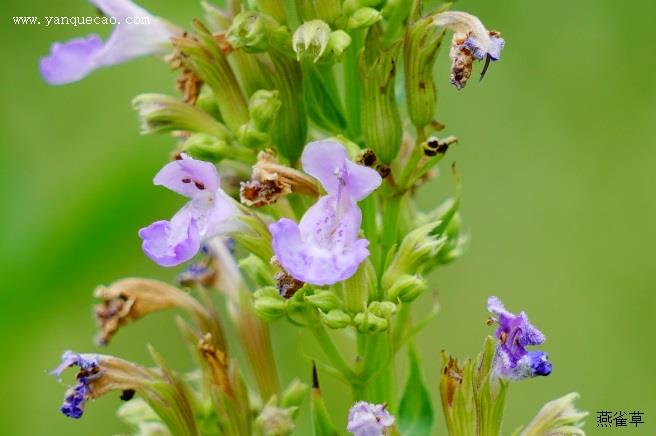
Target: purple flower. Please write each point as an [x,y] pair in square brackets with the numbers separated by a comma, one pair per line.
[72,60]
[207,214]
[366,419]
[515,333]
[76,397]
[324,248]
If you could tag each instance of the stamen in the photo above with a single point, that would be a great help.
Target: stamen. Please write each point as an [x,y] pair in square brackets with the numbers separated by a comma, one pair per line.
[485,67]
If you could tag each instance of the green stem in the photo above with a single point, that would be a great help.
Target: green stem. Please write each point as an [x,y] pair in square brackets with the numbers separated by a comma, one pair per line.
[369,208]
[389,233]
[331,351]
[352,84]
[414,158]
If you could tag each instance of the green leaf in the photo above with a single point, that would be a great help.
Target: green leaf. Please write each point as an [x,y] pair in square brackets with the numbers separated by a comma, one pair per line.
[415,409]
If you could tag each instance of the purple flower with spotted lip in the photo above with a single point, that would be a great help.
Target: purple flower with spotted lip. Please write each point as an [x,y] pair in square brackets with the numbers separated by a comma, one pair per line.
[367,419]
[207,214]
[76,397]
[73,60]
[515,333]
[324,248]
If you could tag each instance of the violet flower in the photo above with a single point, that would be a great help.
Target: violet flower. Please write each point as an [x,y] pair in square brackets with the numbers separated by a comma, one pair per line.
[324,248]
[515,333]
[76,396]
[74,59]
[207,214]
[367,419]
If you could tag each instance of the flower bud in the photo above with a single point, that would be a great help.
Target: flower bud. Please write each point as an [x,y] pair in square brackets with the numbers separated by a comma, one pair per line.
[311,39]
[275,421]
[163,114]
[325,301]
[258,271]
[367,322]
[416,252]
[383,309]
[255,32]
[406,288]
[335,319]
[363,18]
[206,147]
[269,305]
[557,417]
[295,394]
[263,108]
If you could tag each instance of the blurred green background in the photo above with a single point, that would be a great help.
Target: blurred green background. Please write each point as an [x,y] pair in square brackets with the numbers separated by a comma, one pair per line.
[557,159]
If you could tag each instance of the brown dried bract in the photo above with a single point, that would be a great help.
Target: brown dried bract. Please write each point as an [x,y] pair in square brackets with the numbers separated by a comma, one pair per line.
[217,363]
[286,284]
[462,61]
[451,379]
[271,180]
[189,84]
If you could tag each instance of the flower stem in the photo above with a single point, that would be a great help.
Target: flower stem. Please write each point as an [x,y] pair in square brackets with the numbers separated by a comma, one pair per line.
[331,351]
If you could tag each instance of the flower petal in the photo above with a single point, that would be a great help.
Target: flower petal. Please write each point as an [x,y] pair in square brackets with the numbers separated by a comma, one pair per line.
[323,249]
[70,61]
[324,160]
[188,177]
[171,243]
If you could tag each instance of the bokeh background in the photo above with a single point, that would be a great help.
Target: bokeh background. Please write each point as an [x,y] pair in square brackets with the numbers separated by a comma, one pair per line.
[557,159]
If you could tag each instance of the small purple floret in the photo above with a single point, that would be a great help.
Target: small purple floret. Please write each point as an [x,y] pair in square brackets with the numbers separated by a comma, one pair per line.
[324,248]
[515,333]
[76,396]
[207,213]
[367,419]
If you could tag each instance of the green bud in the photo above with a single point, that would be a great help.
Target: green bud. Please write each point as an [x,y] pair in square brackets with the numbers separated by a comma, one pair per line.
[363,18]
[295,394]
[422,42]
[136,411]
[489,390]
[206,147]
[416,252]
[338,42]
[263,108]
[336,319]
[255,32]
[269,306]
[360,287]
[311,39]
[557,417]
[380,119]
[383,309]
[457,395]
[275,421]
[351,6]
[406,288]
[162,114]
[258,271]
[325,301]
[369,323]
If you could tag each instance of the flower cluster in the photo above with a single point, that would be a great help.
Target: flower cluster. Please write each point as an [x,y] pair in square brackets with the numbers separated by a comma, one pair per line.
[294,153]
